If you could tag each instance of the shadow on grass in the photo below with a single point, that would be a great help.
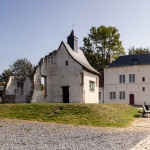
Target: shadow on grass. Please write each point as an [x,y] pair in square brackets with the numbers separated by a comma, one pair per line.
[139,114]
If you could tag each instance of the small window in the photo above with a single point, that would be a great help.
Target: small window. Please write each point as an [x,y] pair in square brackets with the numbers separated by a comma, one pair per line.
[112,95]
[92,86]
[122,94]
[121,78]
[131,77]
[143,79]
[66,63]
[143,89]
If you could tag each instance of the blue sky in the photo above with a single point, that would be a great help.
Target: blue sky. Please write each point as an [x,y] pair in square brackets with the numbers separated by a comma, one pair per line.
[33,28]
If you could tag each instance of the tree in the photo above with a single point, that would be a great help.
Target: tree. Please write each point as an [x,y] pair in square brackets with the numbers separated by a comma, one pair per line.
[21,68]
[100,43]
[5,75]
[140,50]
[42,87]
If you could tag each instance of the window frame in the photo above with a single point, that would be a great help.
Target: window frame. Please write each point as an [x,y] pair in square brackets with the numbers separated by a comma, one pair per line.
[122,78]
[131,78]
[135,62]
[143,89]
[143,79]
[112,95]
[121,94]
[92,86]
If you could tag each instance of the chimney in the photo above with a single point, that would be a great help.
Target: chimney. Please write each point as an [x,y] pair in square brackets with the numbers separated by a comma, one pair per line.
[109,59]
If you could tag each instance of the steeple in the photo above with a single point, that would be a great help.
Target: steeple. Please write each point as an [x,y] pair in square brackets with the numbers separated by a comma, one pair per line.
[72,40]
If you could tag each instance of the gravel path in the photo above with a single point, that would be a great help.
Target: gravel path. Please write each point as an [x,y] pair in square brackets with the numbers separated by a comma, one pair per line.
[24,135]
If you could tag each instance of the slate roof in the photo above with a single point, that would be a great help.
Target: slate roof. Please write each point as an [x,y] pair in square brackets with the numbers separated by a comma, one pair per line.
[126,60]
[80,58]
[72,34]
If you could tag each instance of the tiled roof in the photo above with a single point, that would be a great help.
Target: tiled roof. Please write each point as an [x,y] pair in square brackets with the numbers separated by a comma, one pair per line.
[80,58]
[127,60]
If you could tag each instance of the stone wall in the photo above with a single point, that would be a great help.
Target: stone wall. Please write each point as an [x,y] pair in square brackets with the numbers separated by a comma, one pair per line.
[17,91]
[58,74]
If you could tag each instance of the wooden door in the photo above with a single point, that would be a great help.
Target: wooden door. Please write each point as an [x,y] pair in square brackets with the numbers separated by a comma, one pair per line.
[131,98]
[65,94]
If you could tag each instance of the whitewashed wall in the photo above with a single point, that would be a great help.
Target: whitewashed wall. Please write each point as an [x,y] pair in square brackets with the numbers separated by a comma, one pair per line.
[59,74]
[11,86]
[37,94]
[91,96]
[65,75]
[111,84]
[13,89]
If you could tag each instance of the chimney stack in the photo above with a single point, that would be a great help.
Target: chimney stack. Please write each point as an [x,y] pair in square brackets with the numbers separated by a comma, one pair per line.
[109,59]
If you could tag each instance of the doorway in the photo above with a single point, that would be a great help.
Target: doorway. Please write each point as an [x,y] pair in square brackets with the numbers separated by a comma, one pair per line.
[65,91]
[44,85]
[131,97]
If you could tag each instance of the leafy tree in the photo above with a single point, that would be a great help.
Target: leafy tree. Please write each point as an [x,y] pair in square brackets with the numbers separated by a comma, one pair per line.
[22,67]
[5,75]
[100,43]
[42,87]
[140,50]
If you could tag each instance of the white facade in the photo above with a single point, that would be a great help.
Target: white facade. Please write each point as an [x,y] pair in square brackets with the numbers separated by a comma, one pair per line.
[129,91]
[61,69]
[68,76]
[90,96]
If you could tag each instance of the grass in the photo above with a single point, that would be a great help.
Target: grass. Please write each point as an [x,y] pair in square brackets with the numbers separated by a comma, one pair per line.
[111,115]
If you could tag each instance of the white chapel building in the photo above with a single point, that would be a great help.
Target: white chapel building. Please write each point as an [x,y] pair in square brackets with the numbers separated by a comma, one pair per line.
[68,76]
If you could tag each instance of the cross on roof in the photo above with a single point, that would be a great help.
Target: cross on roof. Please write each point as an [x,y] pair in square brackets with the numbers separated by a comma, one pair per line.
[73,26]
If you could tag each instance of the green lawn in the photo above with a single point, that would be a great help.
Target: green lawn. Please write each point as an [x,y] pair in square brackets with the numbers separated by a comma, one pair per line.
[111,115]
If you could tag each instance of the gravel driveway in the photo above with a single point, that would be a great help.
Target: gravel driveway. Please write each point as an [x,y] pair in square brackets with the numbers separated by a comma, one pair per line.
[28,135]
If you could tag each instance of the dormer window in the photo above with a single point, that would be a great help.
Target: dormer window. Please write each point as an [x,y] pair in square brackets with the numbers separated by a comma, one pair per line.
[135,61]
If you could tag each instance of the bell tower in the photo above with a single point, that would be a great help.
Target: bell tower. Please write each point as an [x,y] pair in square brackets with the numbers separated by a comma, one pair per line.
[72,40]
